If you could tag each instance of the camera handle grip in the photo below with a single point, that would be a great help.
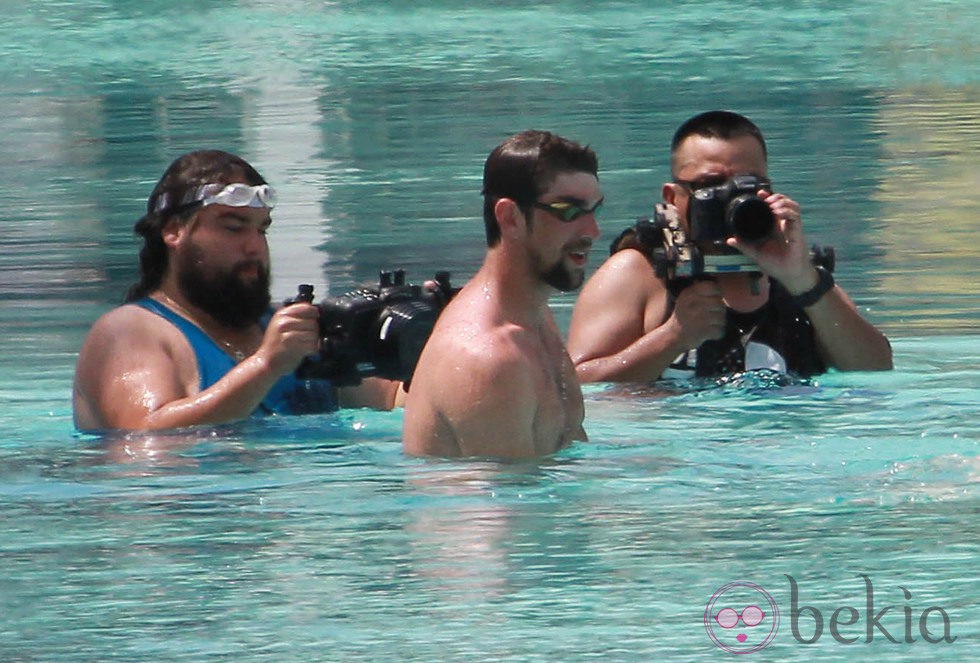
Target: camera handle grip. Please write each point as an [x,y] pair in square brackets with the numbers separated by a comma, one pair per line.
[305,293]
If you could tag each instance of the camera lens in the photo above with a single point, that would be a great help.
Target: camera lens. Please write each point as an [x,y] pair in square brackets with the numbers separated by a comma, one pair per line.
[750,218]
[402,331]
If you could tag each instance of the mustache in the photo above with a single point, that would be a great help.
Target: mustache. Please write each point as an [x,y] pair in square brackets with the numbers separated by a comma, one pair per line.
[581,244]
[246,265]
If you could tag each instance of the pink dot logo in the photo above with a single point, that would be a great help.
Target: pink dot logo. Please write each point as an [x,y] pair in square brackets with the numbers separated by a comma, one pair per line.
[741,618]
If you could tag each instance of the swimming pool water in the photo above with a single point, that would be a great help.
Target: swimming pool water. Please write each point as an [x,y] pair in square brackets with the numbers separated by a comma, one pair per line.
[315,538]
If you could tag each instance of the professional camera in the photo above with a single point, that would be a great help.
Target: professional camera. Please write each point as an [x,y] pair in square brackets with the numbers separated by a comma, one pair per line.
[733,208]
[374,331]
[680,260]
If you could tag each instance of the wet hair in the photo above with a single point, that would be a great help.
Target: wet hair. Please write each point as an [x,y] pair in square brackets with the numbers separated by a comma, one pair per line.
[524,166]
[180,180]
[722,124]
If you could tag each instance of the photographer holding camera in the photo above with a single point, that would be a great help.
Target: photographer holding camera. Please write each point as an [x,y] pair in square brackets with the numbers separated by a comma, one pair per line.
[197,342]
[739,289]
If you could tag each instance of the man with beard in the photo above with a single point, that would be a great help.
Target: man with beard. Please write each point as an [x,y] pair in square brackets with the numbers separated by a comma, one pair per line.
[494,378]
[196,342]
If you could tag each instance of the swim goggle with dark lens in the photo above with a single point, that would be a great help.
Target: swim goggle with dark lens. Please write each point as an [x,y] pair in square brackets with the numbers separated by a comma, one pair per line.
[232,195]
[751,616]
[567,211]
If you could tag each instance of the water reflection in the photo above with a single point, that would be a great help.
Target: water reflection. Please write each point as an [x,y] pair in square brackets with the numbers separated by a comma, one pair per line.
[928,193]
[462,527]
[374,121]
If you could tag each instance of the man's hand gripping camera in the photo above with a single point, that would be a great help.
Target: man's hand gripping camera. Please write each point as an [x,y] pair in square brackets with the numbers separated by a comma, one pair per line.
[374,332]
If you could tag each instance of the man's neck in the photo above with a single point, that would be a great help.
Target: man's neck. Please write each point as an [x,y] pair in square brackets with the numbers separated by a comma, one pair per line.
[519,294]
[174,299]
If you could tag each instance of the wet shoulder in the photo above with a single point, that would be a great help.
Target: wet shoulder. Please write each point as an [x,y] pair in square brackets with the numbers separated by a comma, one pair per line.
[625,275]
[130,334]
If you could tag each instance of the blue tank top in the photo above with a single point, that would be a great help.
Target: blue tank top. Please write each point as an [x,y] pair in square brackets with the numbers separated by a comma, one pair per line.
[288,395]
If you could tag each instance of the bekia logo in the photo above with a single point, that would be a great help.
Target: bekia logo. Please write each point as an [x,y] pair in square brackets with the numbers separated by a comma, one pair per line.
[742,618]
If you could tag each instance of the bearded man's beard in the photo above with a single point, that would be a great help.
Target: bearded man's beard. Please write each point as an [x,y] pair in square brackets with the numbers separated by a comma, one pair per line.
[230,300]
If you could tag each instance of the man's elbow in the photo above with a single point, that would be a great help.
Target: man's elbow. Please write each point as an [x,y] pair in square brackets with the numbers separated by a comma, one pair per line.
[589,370]
[877,357]
[884,361]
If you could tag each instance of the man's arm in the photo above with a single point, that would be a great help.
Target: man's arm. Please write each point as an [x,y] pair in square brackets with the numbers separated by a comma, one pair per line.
[623,328]
[136,372]
[846,340]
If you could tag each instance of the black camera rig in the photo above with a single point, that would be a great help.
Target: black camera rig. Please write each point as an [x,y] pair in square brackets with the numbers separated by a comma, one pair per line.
[375,331]
[680,260]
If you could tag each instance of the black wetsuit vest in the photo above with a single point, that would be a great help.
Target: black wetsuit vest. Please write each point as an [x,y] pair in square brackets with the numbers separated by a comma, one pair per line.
[778,336]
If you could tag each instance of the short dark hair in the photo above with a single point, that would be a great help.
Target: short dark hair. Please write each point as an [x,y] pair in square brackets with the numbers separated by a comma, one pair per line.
[524,166]
[184,175]
[722,124]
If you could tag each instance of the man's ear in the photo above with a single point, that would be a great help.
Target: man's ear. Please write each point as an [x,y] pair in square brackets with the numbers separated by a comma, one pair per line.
[669,193]
[172,231]
[510,218]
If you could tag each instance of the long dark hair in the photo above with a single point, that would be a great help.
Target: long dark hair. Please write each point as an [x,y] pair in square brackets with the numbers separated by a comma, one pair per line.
[181,179]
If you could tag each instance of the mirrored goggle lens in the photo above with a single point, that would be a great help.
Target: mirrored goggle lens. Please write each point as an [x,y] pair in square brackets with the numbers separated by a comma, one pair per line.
[567,211]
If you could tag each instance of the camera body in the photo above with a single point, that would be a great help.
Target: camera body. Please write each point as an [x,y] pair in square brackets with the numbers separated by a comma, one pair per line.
[730,209]
[376,331]
[680,261]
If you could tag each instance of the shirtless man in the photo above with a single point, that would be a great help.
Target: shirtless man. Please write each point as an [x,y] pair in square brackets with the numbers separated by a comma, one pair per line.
[628,327]
[196,342]
[494,378]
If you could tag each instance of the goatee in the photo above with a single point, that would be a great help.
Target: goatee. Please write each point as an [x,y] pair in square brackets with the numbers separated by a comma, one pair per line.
[563,279]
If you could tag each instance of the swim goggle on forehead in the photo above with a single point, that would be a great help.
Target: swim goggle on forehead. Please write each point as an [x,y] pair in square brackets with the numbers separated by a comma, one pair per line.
[232,195]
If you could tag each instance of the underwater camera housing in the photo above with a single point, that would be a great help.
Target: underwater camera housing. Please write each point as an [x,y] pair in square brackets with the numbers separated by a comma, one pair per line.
[680,261]
[372,332]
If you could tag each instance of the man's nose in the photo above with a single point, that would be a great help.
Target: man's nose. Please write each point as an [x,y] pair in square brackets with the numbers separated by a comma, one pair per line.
[591,227]
[255,241]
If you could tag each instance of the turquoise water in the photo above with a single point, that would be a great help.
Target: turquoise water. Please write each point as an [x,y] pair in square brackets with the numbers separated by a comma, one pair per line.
[314,538]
